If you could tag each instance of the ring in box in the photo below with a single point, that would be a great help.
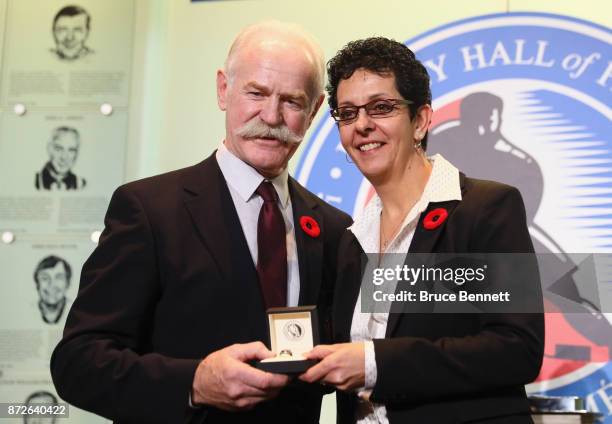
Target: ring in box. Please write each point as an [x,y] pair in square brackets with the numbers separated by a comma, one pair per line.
[293,332]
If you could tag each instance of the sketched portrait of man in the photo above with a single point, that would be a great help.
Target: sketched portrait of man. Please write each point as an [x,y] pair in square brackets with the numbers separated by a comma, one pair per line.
[63,150]
[52,276]
[70,29]
[40,398]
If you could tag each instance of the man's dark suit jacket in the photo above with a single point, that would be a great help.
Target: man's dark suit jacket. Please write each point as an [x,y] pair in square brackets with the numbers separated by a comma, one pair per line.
[451,368]
[171,281]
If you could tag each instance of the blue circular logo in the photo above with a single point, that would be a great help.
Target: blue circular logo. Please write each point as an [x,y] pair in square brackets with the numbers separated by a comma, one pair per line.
[521,98]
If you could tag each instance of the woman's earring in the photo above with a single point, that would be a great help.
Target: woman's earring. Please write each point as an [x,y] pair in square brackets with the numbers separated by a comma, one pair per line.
[417,145]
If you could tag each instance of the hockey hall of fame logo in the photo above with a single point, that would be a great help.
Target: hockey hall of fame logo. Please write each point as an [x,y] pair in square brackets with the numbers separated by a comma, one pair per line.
[293,330]
[522,98]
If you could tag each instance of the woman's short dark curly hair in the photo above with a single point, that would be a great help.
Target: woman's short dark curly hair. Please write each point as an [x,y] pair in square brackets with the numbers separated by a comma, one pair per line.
[382,56]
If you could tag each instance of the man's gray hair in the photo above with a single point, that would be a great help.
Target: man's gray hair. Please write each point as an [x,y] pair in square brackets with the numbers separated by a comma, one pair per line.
[59,131]
[295,31]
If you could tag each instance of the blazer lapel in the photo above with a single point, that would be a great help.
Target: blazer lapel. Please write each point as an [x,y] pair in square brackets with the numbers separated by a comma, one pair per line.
[346,293]
[214,215]
[424,241]
[309,249]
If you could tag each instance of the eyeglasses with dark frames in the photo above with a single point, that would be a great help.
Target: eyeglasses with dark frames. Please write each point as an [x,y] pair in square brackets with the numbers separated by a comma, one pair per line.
[378,108]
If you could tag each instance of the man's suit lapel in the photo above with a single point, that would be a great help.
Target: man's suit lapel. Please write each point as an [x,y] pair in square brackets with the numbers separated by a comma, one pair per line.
[310,249]
[214,215]
[425,241]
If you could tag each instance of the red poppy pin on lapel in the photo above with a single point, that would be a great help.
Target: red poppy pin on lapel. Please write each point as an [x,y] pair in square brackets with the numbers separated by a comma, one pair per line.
[310,226]
[435,218]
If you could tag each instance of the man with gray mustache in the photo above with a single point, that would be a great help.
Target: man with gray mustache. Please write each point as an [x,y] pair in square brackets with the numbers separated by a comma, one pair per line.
[172,303]
[256,128]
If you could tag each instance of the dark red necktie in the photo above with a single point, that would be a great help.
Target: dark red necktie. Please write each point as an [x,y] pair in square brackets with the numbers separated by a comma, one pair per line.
[272,249]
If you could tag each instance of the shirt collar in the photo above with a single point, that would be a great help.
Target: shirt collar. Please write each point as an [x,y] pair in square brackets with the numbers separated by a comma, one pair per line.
[244,179]
[443,185]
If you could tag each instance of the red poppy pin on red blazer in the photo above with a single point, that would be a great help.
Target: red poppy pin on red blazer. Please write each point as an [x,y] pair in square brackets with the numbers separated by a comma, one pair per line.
[310,226]
[435,218]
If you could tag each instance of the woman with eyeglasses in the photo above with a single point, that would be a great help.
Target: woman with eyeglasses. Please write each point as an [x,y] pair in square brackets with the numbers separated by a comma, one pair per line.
[418,367]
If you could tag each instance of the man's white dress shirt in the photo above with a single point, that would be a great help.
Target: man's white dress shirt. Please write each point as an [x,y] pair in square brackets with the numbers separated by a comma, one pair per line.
[242,181]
